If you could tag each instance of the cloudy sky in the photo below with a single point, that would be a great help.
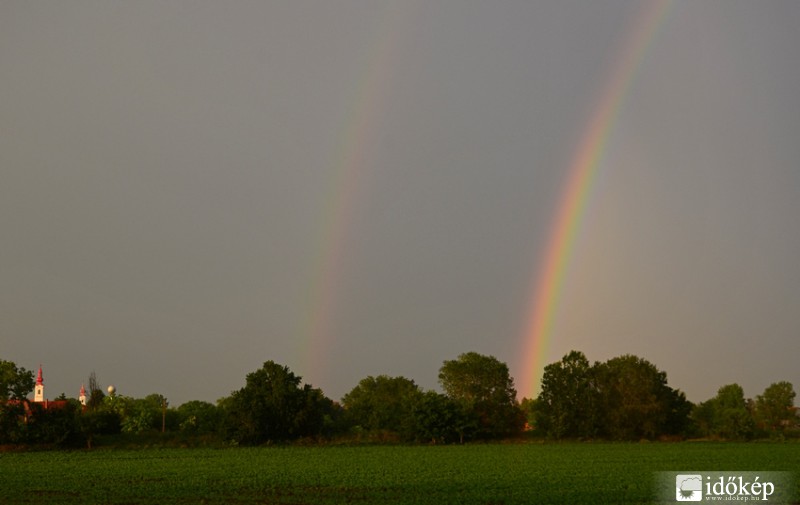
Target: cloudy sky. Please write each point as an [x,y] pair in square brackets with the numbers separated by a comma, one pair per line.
[352,188]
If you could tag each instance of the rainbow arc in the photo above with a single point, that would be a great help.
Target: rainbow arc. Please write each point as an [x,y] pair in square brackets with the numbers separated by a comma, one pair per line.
[548,282]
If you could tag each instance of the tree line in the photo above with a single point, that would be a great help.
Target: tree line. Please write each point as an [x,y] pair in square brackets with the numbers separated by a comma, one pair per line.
[628,398]
[624,398]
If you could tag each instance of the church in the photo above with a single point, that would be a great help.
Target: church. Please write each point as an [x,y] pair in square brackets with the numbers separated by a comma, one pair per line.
[39,397]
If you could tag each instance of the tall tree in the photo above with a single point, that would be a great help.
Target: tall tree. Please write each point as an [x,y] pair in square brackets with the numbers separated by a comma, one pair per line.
[483,385]
[16,383]
[380,403]
[436,419]
[732,419]
[774,407]
[567,403]
[678,421]
[635,400]
[272,406]
[702,417]
[318,415]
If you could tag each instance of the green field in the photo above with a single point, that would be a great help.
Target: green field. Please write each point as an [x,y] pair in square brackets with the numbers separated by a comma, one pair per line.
[469,474]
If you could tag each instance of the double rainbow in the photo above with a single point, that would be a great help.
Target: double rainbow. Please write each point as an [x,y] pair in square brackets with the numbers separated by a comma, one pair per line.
[348,178]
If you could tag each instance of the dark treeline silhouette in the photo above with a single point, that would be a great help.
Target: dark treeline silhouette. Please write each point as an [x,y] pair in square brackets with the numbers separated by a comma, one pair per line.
[624,398]
[628,398]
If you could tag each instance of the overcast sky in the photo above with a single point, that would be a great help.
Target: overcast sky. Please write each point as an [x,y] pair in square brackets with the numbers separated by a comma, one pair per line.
[191,188]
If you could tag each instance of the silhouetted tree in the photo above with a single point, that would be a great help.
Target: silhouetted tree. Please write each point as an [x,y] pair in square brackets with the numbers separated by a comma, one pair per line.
[58,426]
[13,428]
[567,404]
[635,400]
[437,419]
[198,417]
[624,398]
[380,403]
[272,406]
[726,415]
[15,382]
[774,408]
[319,416]
[485,389]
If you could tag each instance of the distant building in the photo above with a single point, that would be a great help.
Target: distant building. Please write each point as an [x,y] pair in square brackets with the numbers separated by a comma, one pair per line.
[38,396]
[40,400]
[38,390]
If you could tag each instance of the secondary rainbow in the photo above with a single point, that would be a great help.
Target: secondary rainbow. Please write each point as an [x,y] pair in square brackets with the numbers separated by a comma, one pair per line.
[348,177]
[548,282]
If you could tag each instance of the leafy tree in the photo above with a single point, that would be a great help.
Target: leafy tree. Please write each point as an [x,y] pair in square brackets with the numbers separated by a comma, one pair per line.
[436,418]
[380,403]
[198,417]
[625,398]
[318,415]
[568,400]
[731,417]
[635,401]
[166,419]
[774,408]
[139,416]
[16,383]
[99,421]
[272,406]
[485,389]
[13,429]
[702,417]
[679,409]
[58,426]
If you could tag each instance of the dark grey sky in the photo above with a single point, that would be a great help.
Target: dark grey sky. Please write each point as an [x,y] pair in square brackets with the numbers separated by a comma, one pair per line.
[350,188]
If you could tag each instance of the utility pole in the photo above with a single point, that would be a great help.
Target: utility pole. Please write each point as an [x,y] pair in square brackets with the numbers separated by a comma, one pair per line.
[164,415]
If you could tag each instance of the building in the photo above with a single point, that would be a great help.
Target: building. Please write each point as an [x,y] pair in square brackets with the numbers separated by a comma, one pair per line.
[38,395]
[40,401]
[38,390]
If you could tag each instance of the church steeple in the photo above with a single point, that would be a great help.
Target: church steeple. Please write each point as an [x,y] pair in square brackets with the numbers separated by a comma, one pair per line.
[82,397]
[38,390]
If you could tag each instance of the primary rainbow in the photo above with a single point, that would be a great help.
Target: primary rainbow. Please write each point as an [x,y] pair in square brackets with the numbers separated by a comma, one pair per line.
[548,282]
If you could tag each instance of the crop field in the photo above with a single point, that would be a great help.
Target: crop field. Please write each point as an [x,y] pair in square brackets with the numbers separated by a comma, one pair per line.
[470,474]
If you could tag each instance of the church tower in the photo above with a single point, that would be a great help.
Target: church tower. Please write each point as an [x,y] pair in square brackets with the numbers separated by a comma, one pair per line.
[82,397]
[38,390]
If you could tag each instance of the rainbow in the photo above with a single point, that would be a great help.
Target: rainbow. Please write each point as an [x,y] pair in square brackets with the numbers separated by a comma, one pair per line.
[347,178]
[548,282]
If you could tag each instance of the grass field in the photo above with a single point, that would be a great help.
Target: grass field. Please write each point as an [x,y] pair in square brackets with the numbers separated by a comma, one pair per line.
[470,474]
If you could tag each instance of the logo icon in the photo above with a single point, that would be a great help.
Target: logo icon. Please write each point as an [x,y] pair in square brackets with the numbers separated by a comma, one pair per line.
[689,487]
